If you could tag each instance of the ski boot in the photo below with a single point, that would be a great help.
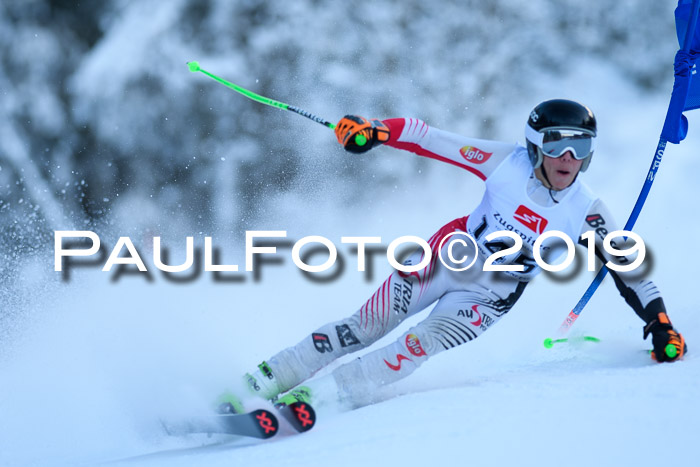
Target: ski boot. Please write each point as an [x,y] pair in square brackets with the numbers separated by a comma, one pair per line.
[299,394]
[229,403]
[261,384]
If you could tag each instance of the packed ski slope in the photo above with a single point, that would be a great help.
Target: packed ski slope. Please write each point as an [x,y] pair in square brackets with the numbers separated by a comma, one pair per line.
[93,364]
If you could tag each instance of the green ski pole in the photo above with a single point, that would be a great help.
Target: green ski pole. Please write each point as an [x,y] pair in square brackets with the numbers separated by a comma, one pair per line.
[549,343]
[194,67]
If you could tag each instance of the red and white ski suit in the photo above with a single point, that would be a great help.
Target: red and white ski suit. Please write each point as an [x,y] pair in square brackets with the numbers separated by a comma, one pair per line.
[468,302]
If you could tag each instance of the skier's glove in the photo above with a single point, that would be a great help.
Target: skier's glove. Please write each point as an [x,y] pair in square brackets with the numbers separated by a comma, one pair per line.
[357,134]
[669,344]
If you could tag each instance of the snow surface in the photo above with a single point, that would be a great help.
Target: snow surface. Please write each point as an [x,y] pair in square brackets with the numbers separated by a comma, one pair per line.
[87,375]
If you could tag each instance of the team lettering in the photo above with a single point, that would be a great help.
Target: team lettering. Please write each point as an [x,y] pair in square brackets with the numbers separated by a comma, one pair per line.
[402,295]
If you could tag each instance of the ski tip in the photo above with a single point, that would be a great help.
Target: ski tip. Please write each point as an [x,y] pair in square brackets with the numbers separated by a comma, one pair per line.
[261,424]
[267,423]
[300,415]
[193,66]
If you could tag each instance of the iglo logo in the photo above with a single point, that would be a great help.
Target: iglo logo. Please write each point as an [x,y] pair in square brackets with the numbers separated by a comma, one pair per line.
[413,346]
[474,155]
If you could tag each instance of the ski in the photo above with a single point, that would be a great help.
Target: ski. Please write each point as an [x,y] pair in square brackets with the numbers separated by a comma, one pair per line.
[300,415]
[261,424]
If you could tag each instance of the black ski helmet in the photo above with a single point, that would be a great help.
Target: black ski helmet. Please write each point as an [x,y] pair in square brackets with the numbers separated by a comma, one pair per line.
[558,114]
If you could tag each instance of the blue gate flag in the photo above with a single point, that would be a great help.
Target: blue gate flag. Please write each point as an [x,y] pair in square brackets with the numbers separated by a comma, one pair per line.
[685,96]
[686,87]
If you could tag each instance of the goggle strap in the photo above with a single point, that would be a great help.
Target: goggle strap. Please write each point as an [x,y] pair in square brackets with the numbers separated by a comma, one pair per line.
[534,136]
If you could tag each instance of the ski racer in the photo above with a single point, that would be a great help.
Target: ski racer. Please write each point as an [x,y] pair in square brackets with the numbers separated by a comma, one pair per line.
[529,190]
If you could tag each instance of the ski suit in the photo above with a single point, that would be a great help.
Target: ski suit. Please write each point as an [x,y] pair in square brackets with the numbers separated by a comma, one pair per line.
[470,301]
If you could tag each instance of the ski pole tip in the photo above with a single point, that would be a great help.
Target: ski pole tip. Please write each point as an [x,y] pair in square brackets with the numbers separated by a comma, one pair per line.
[193,66]
[548,343]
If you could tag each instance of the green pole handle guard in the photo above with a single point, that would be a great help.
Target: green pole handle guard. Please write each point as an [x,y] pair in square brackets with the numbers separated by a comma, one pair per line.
[671,351]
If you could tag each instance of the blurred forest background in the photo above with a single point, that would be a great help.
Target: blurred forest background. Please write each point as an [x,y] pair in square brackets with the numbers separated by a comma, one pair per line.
[104,128]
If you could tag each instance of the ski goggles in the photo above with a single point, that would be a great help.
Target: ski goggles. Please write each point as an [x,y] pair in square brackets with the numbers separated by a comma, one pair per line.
[556,142]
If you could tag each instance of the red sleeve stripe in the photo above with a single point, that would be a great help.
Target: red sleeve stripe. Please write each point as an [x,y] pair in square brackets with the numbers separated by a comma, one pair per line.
[413,147]
[413,128]
[396,127]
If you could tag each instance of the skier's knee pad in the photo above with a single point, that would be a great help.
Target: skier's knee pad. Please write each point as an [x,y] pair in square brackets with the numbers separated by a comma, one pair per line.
[324,345]
[385,365]
[337,339]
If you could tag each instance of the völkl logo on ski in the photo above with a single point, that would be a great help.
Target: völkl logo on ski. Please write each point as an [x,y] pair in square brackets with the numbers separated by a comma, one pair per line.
[302,413]
[265,422]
